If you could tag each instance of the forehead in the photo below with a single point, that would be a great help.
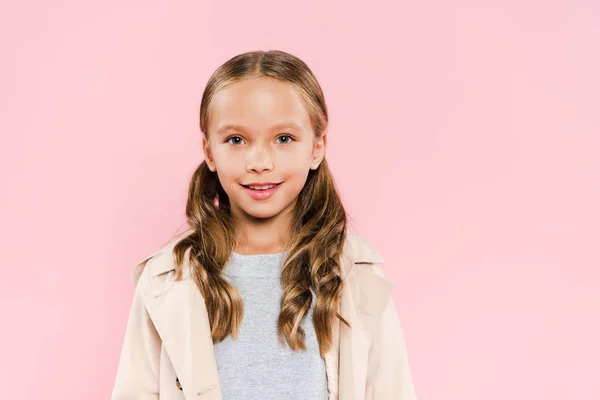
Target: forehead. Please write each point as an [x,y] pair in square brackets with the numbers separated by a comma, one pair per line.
[257,105]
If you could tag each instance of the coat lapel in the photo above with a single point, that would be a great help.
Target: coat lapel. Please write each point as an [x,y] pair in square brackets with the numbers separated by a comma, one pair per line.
[179,314]
[364,298]
[180,317]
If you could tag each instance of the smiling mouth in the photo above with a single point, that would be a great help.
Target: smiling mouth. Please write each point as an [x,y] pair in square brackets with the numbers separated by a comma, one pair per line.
[263,187]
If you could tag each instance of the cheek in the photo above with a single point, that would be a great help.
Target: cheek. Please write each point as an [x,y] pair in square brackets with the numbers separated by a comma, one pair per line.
[294,166]
[228,175]
[227,164]
[295,160]
[295,171]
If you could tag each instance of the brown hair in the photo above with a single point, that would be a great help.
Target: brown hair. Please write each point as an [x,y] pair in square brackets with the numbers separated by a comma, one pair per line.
[318,221]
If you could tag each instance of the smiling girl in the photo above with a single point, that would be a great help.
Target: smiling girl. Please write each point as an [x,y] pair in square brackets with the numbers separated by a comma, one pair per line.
[267,295]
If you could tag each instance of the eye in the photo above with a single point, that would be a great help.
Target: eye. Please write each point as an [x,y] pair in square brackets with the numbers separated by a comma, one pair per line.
[290,139]
[233,137]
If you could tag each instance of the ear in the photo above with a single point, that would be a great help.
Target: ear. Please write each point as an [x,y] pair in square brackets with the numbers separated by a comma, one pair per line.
[208,154]
[319,151]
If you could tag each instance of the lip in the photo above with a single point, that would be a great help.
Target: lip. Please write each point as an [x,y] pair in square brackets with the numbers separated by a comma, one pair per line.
[261,194]
[262,184]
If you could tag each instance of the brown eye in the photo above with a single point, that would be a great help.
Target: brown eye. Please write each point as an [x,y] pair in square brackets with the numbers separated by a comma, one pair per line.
[290,139]
[234,137]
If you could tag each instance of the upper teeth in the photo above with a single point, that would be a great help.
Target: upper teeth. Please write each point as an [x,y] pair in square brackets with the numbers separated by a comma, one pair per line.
[261,187]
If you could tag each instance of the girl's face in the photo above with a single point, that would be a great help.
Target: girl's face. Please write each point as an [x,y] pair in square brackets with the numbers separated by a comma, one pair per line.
[259,131]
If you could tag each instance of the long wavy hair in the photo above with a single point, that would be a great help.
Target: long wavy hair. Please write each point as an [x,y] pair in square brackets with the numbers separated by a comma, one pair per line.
[318,228]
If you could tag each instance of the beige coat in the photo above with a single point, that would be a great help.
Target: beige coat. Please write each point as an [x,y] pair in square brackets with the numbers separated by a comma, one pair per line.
[168,353]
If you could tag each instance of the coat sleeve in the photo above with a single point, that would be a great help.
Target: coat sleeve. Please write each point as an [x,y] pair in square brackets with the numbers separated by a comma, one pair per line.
[137,371]
[388,374]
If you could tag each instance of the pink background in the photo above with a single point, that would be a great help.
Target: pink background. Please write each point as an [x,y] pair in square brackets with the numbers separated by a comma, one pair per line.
[465,139]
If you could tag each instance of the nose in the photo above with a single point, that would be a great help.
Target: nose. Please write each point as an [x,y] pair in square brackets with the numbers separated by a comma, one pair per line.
[259,159]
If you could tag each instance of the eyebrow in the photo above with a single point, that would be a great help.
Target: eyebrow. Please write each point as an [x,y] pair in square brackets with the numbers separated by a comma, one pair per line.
[284,125]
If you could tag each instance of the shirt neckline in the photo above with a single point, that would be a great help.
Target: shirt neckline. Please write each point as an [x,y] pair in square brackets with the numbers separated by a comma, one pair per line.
[240,255]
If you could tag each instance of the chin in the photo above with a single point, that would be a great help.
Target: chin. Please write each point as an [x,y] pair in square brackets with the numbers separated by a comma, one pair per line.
[262,214]
[265,212]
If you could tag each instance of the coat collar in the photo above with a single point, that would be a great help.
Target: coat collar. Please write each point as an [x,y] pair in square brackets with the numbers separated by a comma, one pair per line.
[180,317]
[362,252]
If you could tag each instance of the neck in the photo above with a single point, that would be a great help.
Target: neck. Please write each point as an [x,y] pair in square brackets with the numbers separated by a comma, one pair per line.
[262,236]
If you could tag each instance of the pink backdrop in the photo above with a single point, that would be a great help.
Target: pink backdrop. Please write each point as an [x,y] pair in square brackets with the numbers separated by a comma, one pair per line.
[465,139]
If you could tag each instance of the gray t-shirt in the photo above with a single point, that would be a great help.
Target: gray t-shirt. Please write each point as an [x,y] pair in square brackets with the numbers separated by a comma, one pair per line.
[256,366]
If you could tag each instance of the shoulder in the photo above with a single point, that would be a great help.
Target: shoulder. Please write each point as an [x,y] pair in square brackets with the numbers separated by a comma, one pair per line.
[159,262]
[358,249]
[361,250]
[370,288]
[359,254]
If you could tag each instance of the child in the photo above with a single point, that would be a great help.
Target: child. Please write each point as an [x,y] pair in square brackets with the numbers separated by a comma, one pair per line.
[266,295]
